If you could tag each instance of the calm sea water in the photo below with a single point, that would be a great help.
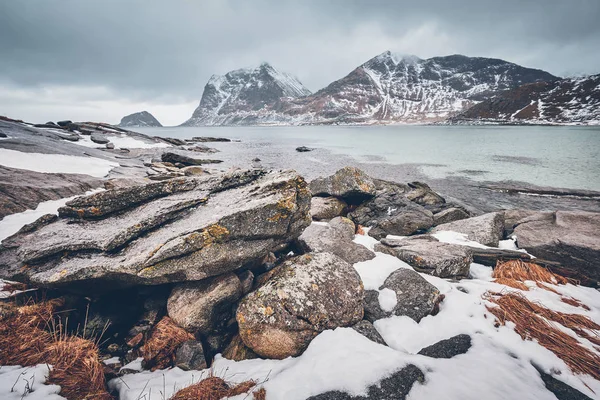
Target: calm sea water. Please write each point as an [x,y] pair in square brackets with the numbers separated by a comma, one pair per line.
[564,157]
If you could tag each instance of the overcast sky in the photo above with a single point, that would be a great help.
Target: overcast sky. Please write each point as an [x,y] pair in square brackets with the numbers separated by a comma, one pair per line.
[103,59]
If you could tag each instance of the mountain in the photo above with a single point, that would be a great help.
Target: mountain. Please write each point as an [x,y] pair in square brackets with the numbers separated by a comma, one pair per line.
[245,96]
[386,89]
[139,119]
[569,100]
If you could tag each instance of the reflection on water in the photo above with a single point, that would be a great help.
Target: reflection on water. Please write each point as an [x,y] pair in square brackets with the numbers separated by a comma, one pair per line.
[542,155]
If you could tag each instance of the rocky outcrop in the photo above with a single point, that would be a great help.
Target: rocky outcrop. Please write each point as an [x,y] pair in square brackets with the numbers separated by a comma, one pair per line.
[422,194]
[139,119]
[556,101]
[205,307]
[307,295]
[396,386]
[448,348]
[426,254]
[486,229]
[186,160]
[390,213]
[180,230]
[336,238]
[415,297]
[349,183]
[449,215]
[326,208]
[190,356]
[569,237]
[21,190]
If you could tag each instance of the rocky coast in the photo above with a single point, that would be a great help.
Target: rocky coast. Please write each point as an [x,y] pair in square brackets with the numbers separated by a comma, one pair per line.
[180,274]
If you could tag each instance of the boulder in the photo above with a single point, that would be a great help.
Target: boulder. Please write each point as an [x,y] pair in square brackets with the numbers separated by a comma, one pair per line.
[391,213]
[571,238]
[99,138]
[367,329]
[303,149]
[415,297]
[426,254]
[64,123]
[309,294]
[180,230]
[247,280]
[336,238]
[396,387]
[193,170]
[449,215]
[3,135]
[190,356]
[236,350]
[486,229]
[204,307]
[349,183]
[326,208]
[186,160]
[448,348]
[203,149]
[110,146]
[422,194]
[561,390]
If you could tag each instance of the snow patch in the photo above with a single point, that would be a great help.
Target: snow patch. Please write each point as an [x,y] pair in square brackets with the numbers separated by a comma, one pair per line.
[56,163]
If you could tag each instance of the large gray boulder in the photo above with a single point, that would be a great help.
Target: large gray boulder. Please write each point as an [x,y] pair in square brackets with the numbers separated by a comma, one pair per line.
[422,194]
[486,229]
[207,227]
[512,218]
[336,238]
[426,254]
[571,238]
[448,348]
[307,295]
[449,215]
[204,307]
[391,213]
[326,208]
[99,138]
[415,297]
[349,183]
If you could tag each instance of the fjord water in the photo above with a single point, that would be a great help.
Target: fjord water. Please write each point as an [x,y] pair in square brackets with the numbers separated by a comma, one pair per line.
[556,156]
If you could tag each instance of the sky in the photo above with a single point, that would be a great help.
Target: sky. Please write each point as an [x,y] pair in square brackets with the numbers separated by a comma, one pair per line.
[99,60]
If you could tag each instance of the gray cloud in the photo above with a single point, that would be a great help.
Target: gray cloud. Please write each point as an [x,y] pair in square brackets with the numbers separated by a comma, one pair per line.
[163,52]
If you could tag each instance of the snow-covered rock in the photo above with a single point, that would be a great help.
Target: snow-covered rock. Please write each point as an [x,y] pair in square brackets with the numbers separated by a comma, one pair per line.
[139,119]
[561,101]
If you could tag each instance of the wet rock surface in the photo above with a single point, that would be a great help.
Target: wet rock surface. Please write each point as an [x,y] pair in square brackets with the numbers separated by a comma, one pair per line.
[426,254]
[415,297]
[307,295]
[448,348]
[188,235]
[486,229]
[335,237]
[568,237]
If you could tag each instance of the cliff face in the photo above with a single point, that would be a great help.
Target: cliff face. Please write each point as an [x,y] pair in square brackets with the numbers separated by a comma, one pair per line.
[562,101]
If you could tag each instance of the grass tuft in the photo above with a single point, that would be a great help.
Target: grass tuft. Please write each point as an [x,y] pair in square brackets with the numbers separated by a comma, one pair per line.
[160,347]
[214,388]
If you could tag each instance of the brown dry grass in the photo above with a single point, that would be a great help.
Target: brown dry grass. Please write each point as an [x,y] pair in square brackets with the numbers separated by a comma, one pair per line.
[360,230]
[213,388]
[26,339]
[574,302]
[512,283]
[13,287]
[260,394]
[526,271]
[160,347]
[532,321]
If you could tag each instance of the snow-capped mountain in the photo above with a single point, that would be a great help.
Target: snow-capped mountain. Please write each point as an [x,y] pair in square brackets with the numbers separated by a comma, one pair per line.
[386,89]
[563,101]
[139,119]
[244,95]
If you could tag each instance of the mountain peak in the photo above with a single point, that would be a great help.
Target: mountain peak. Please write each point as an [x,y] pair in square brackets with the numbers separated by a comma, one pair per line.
[139,119]
[397,58]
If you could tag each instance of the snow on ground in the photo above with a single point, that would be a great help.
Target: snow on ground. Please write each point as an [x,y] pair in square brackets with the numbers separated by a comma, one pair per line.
[498,365]
[127,142]
[12,223]
[18,383]
[56,163]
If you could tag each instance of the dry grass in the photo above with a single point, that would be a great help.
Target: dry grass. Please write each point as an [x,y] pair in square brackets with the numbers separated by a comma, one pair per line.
[29,336]
[574,302]
[214,388]
[533,321]
[12,287]
[526,271]
[260,394]
[160,347]
[512,283]
[360,230]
